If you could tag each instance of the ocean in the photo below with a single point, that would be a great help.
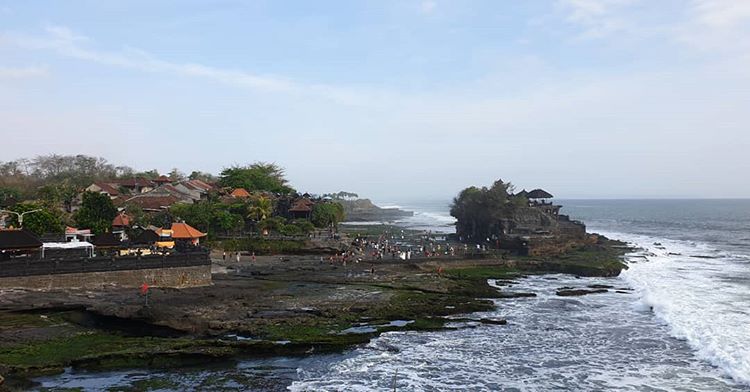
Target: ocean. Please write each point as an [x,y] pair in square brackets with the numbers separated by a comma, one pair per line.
[680,321]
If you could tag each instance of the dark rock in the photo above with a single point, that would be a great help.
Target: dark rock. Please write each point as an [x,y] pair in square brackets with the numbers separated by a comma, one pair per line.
[579,292]
[600,286]
[493,321]
[506,294]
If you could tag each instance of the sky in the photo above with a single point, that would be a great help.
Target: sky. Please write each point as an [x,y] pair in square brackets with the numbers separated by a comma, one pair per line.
[392,99]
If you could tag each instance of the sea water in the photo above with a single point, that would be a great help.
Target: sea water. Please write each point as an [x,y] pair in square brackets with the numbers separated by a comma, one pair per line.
[677,319]
[685,325]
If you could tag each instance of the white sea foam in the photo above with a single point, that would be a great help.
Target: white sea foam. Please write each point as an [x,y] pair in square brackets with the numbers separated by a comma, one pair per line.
[595,342]
[705,301]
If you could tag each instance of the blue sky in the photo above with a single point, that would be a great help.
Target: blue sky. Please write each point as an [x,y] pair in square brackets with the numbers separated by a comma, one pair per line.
[402,99]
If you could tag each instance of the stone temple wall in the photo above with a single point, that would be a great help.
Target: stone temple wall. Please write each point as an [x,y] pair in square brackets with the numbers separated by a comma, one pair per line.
[177,277]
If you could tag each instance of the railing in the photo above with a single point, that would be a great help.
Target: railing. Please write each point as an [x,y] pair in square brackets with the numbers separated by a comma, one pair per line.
[30,267]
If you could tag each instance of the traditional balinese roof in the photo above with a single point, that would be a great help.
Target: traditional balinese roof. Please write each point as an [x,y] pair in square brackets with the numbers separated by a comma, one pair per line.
[200,185]
[523,193]
[121,220]
[162,179]
[108,188]
[539,194]
[152,201]
[146,237]
[302,205]
[18,239]
[106,240]
[240,192]
[73,230]
[184,231]
[134,182]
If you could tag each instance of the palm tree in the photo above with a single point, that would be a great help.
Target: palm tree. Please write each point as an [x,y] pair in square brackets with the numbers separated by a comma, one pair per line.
[261,209]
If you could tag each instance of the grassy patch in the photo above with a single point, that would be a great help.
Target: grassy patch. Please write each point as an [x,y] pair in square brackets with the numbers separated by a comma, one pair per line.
[261,246]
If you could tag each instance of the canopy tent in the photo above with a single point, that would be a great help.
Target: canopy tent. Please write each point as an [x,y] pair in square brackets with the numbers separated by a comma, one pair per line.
[68,246]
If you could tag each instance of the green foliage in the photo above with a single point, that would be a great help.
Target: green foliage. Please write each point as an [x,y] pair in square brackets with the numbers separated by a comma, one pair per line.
[305,226]
[261,246]
[137,216]
[149,174]
[480,211]
[327,214]
[176,175]
[199,175]
[297,227]
[260,209]
[208,217]
[60,194]
[272,224]
[40,222]
[259,176]
[9,193]
[343,195]
[96,212]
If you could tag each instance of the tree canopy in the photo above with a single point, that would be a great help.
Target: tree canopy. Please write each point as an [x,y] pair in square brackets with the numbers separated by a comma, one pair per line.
[480,211]
[259,176]
[41,222]
[327,214]
[96,212]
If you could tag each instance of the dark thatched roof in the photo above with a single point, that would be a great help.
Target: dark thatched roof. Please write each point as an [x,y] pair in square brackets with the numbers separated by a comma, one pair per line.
[523,193]
[18,239]
[106,240]
[146,237]
[539,194]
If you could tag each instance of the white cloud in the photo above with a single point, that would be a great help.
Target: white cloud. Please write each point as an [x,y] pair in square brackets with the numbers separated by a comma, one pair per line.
[22,73]
[65,42]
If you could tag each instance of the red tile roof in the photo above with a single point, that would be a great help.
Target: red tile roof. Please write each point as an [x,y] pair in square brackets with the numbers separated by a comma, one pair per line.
[109,188]
[134,182]
[240,192]
[163,179]
[150,202]
[201,184]
[303,205]
[185,231]
[121,220]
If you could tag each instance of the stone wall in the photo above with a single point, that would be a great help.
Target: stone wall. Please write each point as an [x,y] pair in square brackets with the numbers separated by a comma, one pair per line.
[178,277]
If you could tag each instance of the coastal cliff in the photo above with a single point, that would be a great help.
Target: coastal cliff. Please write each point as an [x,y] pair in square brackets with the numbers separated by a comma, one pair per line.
[364,210]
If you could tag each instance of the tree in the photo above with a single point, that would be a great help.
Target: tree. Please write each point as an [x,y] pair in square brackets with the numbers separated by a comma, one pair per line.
[199,175]
[44,221]
[96,212]
[259,176]
[480,212]
[261,209]
[198,215]
[176,175]
[327,214]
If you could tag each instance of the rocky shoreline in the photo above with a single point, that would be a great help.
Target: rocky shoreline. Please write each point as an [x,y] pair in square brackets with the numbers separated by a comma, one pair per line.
[290,305]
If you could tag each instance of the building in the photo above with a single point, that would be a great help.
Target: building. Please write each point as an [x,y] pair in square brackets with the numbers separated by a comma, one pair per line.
[183,232]
[19,243]
[240,193]
[301,209]
[120,224]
